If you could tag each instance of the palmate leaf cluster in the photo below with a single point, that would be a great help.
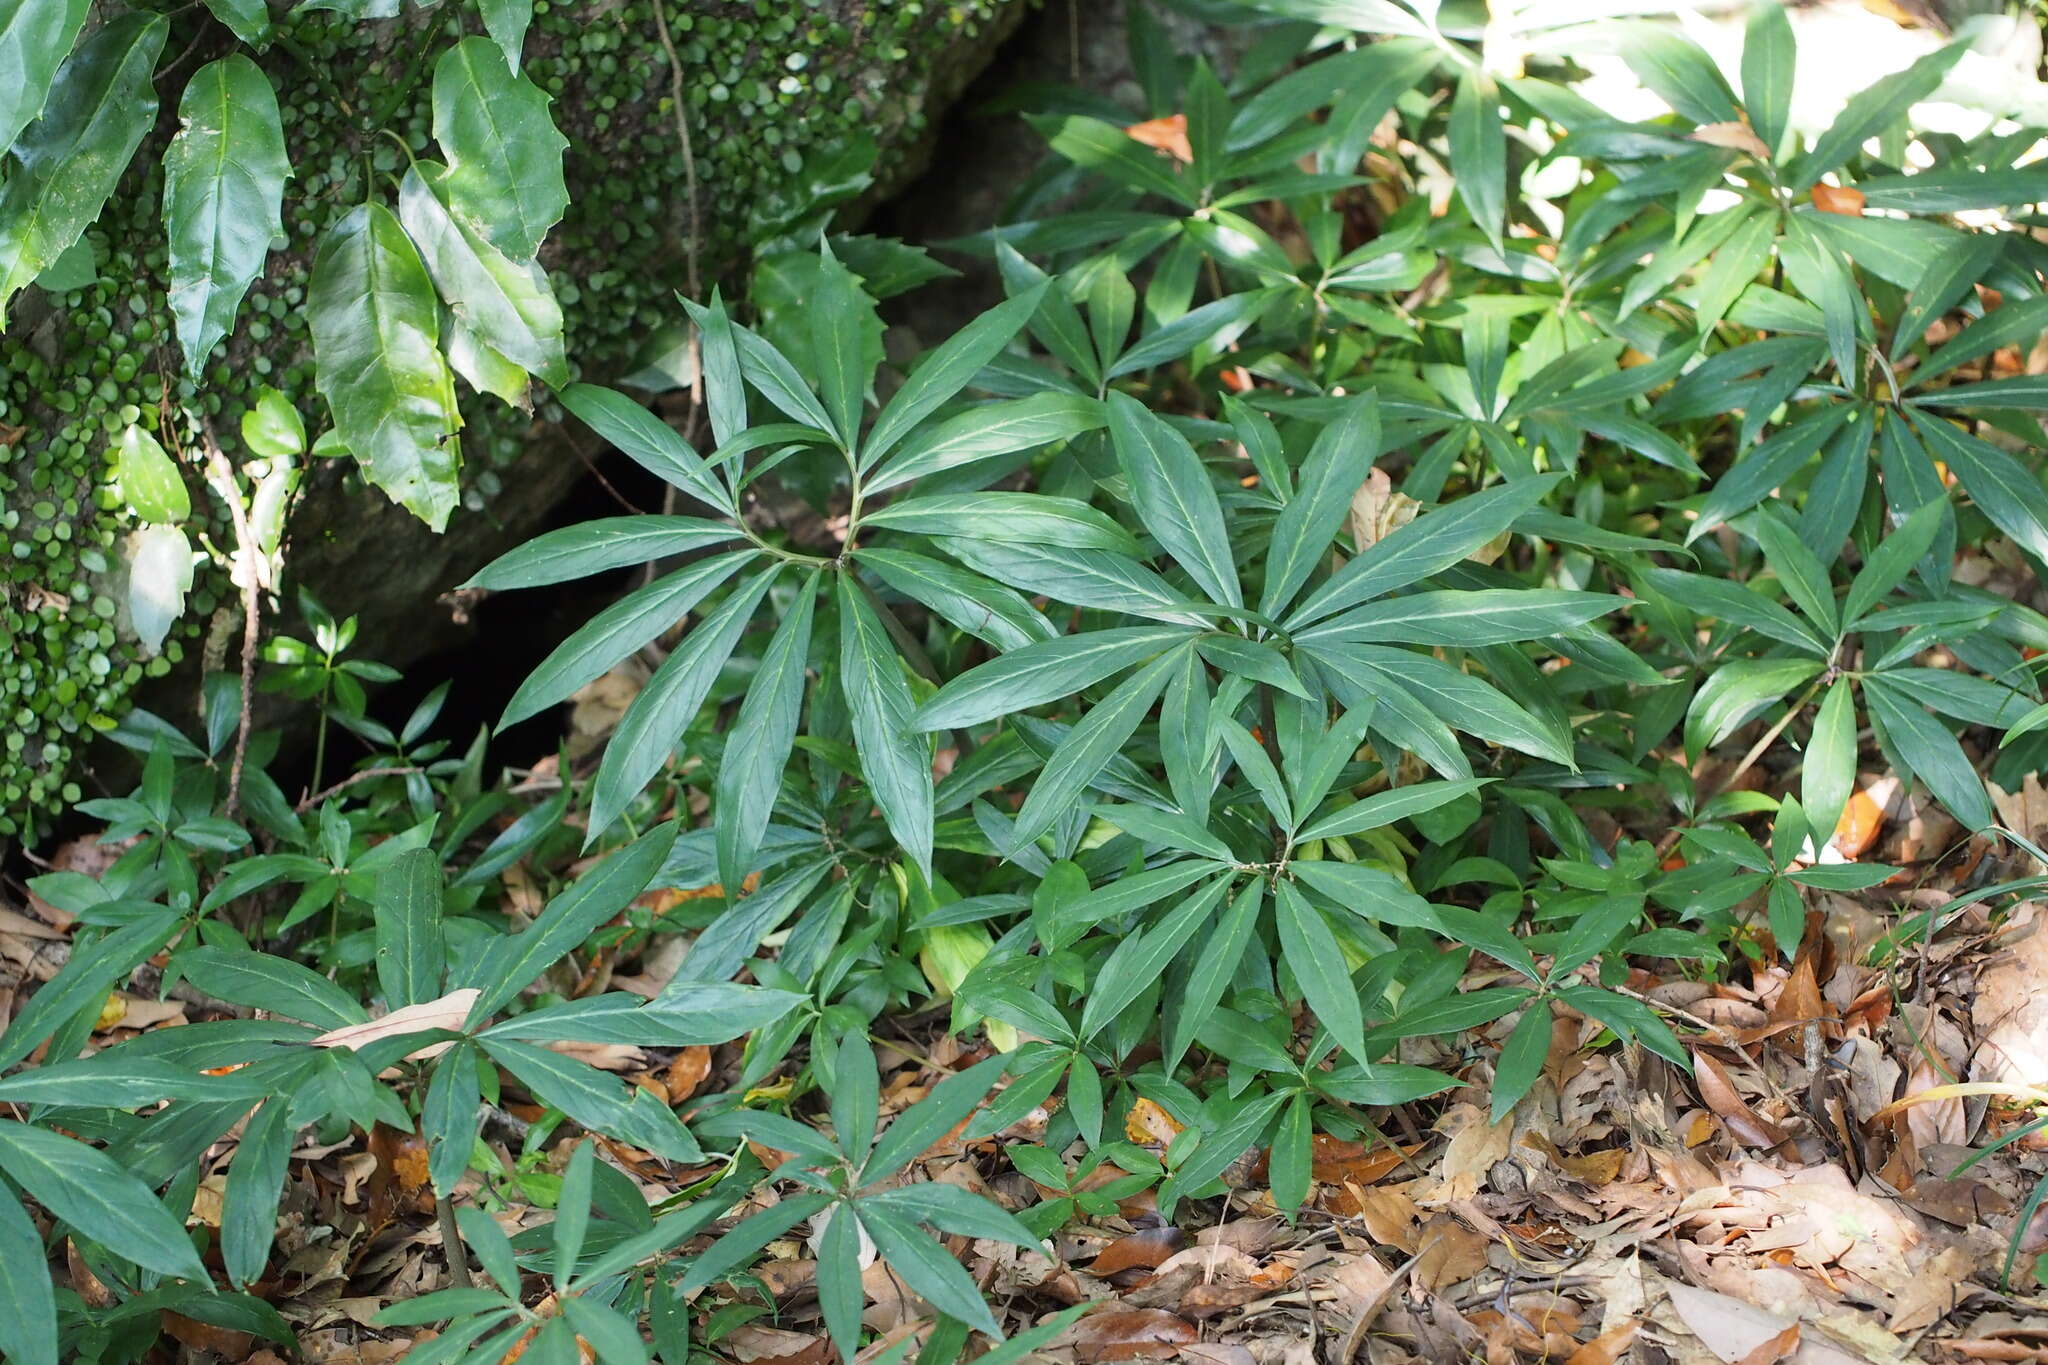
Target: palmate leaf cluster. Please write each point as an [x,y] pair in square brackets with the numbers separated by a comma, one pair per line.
[1285,630]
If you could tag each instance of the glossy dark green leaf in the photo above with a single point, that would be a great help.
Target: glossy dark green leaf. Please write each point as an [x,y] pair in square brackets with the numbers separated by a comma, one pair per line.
[1214,969]
[963,599]
[90,971]
[651,443]
[946,371]
[927,1267]
[594,547]
[1088,747]
[1680,72]
[2000,486]
[1084,578]
[1428,545]
[1891,561]
[1384,808]
[506,304]
[276,985]
[572,1214]
[28,1307]
[840,1296]
[507,964]
[449,1116]
[1769,59]
[1109,151]
[1926,747]
[1215,324]
[67,162]
[1042,672]
[1829,772]
[1174,497]
[1336,467]
[507,21]
[248,1220]
[984,433]
[617,631]
[1311,951]
[87,1189]
[1467,619]
[1804,577]
[1736,604]
[1024,518]
[376,345]
[1738,691]
[224,176]
[35,37]
[895,756]
[1479,152]
[596,1099]
[931,1118]
[504,151]
[1521,1059]
[412,947]
[761,736]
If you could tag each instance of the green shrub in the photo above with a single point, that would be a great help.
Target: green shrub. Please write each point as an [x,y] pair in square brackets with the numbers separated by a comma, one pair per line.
[1287,599]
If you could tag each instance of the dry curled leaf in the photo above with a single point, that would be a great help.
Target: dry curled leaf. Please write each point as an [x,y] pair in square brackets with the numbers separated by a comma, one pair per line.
[1736,137]
[448,1012]
[1169,135]
[1838,199]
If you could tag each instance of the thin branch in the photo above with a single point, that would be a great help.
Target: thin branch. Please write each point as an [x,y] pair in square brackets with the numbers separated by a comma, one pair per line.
[222,476]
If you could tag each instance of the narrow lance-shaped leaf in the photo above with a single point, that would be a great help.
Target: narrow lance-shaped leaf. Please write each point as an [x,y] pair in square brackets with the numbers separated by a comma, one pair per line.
[224,177]
[762,734]
[654,724]
[1337,465]
[35,35]
[28,1307]
[1769,59]
[376,344]
[946,371]
[1089,746]
[1174,497]
[504,151]
[83,1186]
[1479,152]
[895,757]
[68,161]
[412,949]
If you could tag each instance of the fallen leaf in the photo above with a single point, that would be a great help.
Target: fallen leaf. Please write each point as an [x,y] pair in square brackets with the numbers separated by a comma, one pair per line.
[1146,1249]
[1130,1334]
[1731,1329]
[1169,135]
[1744,1124]
[1148,1125]
[1606,1348]
[688,1071]
[448,1012]
[1838,199]
[1736,137]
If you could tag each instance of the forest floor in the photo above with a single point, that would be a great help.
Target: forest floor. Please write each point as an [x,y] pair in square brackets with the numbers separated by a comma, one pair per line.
[1777,1204]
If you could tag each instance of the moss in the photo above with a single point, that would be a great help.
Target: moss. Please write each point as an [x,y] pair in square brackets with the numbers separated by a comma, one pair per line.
[765,85]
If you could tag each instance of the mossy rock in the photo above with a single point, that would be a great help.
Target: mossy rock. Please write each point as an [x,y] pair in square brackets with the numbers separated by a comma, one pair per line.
[769,85]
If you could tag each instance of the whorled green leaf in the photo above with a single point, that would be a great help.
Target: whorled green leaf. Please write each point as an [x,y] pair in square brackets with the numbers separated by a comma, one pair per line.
[28,1307]
[895,756]
[224,177]
[378,362]
[67,162]
[504,151]
[761,738]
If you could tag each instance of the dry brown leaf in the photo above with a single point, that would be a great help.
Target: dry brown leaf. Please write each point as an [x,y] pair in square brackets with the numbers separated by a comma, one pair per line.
[1474,1147]
[2011,1006]
[1773,1349]
[1744,1124]
[1169,135]
[1146,1249]
[753,1342]
[448,1012]
[1838,199]
[688,1071]
[1736,137]
[1130,1334]
[1731,1329]
[1451,1252]
[1149,1125]
[1377,511]
[1606,1348]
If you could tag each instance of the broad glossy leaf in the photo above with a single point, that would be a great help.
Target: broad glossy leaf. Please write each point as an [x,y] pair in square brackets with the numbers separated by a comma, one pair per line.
[2000,486]
[944,372]
[1109,151]
[1829,771]
[376,343]
[653,725]
[759,742]
[927,1267]
[87,1189]
[623,627]
[1521,1059]
[1737,605]
[1735,693]
[507,304]
[504,151]
[1467,618]
[150,482]
[249,20]
[1215,324]
[1769,465]
[596,1099]
[224,177]
[1214,969]
[963,599]
[1042,672]
[1310,949]
[840,333]
[277,985]
[1383,808]
[68,161]
[594,547]
[1892,560]
[1682,74]
[984,433]
[895,756]
[35,37]
[87,975]
[1085,578]
[1804,577]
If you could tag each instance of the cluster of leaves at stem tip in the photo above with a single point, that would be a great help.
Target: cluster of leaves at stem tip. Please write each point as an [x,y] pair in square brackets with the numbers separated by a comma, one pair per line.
[1231,658]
